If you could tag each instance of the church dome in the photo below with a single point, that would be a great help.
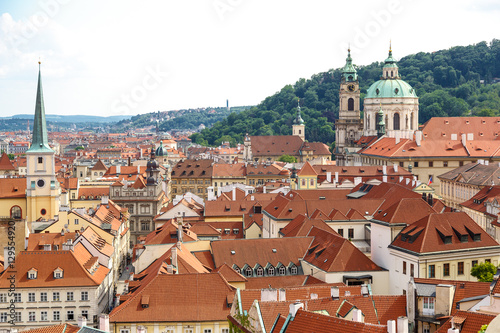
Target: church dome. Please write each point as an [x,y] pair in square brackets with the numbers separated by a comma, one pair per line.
[161,151]
[390,85]
[390,88]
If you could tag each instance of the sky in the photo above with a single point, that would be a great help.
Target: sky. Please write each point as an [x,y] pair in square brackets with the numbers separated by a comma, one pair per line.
[132,57]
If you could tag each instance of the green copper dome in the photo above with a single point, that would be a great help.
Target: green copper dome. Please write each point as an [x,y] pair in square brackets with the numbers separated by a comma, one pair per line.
[161,151]
[390,88]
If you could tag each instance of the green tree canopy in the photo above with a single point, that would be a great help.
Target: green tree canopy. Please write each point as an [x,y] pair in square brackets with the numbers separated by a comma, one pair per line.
[287,159]
[484,272]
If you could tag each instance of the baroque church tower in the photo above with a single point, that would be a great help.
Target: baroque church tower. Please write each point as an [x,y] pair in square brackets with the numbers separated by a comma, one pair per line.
[42,190]
[298,127]
[349,126]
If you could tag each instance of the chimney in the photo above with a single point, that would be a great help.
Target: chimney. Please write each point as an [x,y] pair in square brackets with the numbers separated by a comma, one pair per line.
[402,324]
[396,167]
[264,190]
[82,321]
[418,138]
[444,299]
[397,137]
[400,179]
[357,316]
[173,252]
[179,229]
[329,177]
[384,178]
[453,330]
[269,295]
[129,161]
[138,169]
[486,162]
[104,322]
[294,307]
[391,326]
[364,290]
[384,170]
[104,200]
[336,177]
[335,292]
[464,140]
[118,169]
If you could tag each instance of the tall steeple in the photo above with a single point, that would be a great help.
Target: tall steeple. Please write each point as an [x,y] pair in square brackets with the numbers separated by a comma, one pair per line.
[40,141]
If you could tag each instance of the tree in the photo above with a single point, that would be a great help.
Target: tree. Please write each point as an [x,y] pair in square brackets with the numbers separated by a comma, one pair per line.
[287,159]
[483,272]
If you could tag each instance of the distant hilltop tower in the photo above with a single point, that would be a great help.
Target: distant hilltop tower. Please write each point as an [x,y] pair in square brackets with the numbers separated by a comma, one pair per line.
[227,105]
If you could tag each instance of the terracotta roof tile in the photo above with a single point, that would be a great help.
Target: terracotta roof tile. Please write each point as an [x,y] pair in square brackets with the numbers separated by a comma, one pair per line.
[432,230]
[178,298]
[331,252]
[259,251]
[471,322]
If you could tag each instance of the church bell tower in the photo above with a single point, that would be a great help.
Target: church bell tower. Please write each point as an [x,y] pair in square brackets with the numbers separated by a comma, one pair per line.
[42,190]
[349,126]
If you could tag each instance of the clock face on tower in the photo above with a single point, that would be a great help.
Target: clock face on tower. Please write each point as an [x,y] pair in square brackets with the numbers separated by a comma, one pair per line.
[351,87]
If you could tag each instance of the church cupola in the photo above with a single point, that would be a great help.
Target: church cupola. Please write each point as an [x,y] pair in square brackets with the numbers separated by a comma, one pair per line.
[390,70]
[349,73]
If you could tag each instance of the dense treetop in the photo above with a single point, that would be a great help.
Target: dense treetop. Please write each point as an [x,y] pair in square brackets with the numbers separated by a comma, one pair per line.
[460,81]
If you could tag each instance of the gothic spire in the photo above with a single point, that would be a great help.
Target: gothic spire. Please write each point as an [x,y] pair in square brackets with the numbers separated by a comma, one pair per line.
[39,140]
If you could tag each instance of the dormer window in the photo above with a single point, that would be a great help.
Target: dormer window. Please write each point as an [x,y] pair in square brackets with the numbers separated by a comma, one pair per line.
[58,273]
[32,274]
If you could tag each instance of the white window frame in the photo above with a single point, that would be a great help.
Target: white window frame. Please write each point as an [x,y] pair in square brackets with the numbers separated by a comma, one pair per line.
[428,307]
[84,295]
[32,316]
[43,297]
[56,315]
[31,297]
[44,316]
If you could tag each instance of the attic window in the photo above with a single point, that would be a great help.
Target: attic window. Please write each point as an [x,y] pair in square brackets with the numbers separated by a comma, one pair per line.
[236,231]
[58,273]
[477,237]
[447,239]
[145,301]
[32,274]
[464,238]
[227,231]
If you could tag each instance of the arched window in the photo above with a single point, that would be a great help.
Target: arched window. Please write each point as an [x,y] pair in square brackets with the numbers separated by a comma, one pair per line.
[270,271]
[293,270]
[396,122]
[282,270]
[237,269]
[248,272]
[260,271]
[15,212]
[350,104]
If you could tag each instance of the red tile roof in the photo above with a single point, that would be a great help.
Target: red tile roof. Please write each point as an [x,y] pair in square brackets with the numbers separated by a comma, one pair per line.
[259,251]
[5,163]
[178,298]
[12,188]
[428,234]
[60,328]
[72,262]
[331,252]
[471,322]
[307,170]
[406,210]
[305,321]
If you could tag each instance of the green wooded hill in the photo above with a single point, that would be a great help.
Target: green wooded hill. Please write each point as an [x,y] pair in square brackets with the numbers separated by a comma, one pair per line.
[460,81]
